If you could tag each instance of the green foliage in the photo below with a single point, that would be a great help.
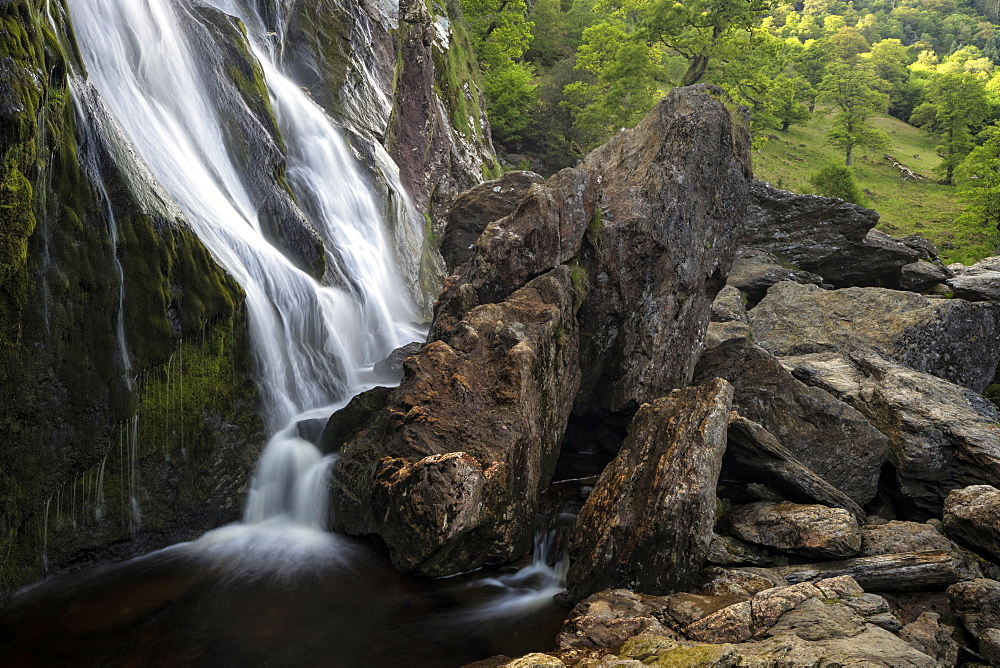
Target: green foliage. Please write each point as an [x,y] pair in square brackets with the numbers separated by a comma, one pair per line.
[855,91]
[978,180]
[955,102]
[622,87]
[501,35]
[837,181]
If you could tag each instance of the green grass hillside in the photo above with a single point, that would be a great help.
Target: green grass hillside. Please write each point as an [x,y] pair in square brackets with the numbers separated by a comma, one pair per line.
[906,207]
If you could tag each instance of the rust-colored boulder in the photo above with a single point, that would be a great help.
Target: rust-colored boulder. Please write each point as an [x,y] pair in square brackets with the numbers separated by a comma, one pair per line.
[449,473]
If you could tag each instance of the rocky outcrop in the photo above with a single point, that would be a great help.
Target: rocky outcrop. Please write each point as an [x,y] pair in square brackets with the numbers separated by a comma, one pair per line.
[652,243]
[979,282]
[921,276]
[895,537]
[905,571]
[473,210]
[449,473]
[803,529]
[953,339]
[972,516]
[829,437]
[933,638]
[942,437]
[824,236]
[648,522]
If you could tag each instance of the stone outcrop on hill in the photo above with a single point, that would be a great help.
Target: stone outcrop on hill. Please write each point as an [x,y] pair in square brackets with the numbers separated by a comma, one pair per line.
[828,237]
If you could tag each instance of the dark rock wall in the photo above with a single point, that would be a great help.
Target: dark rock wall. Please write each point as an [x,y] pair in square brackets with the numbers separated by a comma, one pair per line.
[81,437]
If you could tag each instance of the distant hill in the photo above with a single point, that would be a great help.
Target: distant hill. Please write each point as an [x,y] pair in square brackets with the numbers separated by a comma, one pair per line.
[922,207]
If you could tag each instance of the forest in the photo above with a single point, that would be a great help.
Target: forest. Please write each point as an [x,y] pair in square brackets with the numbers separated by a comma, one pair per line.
[562,76]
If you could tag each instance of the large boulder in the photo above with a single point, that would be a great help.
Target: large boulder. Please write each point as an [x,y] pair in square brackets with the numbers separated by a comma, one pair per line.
[972,516]
[976,603]
[949,338]
[895,537]
[824,236]
[648,522]
[650,222]
[942,436]
[829,437]
[755,270]
[979,282]
[805,529]
[449,473]
[474,209]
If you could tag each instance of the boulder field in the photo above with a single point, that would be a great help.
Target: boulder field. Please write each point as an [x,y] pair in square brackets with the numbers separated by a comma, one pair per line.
[800,413]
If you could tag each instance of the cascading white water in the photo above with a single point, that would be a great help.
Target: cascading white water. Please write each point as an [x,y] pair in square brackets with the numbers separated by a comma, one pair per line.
[315,344]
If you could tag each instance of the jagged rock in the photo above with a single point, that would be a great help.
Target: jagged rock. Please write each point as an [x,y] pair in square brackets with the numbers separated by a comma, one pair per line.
[472,433]
[809,530]
[953,339]
[728,306]
[932,638]
[349,420]
[823,236]
[391,368]
[908,571]
[685,609]
[921,276]
[648,522]
[829,437]
[980,282]
[608,618]
[726,550]
[753,453]
[989,646]
[474,209]
[754,271]
[924,246]
[942,436]
[972,516]
[816,620]
[659,217]
[895,537]
[976,604]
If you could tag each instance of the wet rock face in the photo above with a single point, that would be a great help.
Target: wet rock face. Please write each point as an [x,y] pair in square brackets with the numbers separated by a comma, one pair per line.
[972,516]
[831,438]
[648,522]
[824,236]
[449,473]
[953,339]
[474,209]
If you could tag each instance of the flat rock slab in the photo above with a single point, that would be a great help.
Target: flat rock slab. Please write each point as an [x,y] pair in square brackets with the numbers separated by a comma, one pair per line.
[648,522]
[952,339]
[911,571]
[805,529]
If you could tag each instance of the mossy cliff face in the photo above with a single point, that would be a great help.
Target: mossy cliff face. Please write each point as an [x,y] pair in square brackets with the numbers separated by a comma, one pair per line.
[100,460]
[401,74]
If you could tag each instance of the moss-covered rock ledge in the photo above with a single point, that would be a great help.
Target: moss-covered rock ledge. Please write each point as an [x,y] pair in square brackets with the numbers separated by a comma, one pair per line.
[102,459]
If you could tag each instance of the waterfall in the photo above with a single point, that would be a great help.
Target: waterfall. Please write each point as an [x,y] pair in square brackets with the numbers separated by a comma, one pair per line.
[160,72]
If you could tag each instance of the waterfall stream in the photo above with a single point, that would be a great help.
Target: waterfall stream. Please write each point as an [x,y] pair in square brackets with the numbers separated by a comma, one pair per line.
[159,73]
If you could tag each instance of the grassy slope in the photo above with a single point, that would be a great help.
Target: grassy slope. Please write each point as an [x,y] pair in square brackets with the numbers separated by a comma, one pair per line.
[906,207]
